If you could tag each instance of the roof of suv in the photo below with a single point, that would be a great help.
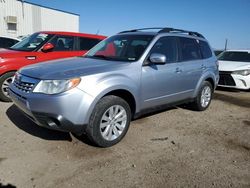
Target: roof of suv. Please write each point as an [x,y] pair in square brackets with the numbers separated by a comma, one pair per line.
[239,50]
[74,34]
[163,30]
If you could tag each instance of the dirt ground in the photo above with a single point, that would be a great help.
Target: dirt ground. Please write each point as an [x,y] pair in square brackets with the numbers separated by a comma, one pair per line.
[174,148]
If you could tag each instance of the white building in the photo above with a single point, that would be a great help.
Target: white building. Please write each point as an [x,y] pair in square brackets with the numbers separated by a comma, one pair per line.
[18,17]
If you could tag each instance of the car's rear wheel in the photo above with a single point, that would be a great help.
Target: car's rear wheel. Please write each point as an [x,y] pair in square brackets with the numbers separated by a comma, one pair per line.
[109,121]
[5,81]
[204,97]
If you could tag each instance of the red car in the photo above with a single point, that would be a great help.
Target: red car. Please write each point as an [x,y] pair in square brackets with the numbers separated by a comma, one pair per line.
[41,46]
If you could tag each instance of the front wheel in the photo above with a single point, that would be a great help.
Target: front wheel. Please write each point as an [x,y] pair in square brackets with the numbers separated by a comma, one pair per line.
[5,81]
[109,121]
[204,97]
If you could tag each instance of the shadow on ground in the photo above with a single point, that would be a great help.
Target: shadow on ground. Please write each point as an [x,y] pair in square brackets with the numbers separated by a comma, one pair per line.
[232,99]
[7,186]
[25,124]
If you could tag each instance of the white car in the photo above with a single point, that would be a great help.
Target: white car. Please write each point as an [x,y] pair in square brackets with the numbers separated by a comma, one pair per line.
[234,67]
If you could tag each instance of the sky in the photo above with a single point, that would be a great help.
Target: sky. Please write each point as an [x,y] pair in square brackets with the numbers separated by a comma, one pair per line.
[217,20]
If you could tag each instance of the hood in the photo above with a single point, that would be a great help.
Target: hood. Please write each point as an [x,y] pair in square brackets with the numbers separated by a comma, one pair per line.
[70,68]
[6,53]
[233,65]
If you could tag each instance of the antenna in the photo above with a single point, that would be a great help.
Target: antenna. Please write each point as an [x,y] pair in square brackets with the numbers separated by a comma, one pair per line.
[97,32]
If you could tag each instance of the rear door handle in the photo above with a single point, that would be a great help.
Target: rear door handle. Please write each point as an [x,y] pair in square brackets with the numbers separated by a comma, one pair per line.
[178,70]
[203,67]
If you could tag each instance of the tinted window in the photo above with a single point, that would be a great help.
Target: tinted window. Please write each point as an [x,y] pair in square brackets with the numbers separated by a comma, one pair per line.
[235,56]
[166,46]
[189,49]
[87,43]
[205,49]
[63,43]
[6,43]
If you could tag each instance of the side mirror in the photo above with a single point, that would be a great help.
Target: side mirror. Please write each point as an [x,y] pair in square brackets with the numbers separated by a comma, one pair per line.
[47,47]
[157,58]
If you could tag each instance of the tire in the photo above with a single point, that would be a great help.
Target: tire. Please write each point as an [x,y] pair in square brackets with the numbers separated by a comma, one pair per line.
[204,97]
[5,80]
[104,130]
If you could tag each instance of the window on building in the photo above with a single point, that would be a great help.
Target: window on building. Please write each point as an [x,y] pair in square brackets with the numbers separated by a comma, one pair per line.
[12,26]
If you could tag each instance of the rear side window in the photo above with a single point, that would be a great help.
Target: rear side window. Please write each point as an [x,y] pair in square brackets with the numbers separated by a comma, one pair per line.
[166,46]
[189,49]
[205,49]
[87,43]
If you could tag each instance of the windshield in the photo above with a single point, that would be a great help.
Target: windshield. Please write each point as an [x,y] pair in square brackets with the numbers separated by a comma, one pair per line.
[32,42]
[121,48]
[234,56]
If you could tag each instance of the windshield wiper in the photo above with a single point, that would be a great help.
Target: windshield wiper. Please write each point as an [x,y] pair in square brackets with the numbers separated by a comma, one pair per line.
[99,56]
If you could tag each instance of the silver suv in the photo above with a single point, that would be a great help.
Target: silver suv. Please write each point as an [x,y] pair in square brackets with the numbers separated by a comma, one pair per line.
[119,79]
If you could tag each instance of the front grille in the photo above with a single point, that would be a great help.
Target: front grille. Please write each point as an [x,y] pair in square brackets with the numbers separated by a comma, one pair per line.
[226,79]
[23,83]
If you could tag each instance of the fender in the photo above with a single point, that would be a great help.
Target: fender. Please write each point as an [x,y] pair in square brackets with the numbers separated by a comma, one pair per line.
[108,84]
[206,75]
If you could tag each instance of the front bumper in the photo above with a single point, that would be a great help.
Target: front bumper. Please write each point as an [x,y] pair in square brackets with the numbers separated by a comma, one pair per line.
[64,112]
[227,79]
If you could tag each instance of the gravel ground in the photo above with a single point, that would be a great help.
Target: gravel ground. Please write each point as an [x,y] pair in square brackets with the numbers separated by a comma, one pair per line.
[174,148]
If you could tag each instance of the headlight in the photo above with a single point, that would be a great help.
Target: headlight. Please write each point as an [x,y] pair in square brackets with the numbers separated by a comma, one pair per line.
[242,72]
[56,86]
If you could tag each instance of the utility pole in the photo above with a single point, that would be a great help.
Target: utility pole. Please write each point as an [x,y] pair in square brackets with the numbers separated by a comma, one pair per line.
[225,45]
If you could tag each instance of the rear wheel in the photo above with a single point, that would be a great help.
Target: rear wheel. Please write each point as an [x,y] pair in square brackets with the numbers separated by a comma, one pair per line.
[109,121]
[204,97]
[5,81]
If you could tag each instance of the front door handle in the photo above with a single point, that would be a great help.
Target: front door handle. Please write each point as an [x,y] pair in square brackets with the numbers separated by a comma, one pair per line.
[31,57]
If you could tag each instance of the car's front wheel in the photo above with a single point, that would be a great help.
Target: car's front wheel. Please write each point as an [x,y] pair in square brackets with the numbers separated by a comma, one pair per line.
[109,121]
[5,81]
[204,97]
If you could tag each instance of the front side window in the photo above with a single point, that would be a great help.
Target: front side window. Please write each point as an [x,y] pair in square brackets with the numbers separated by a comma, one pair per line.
[87,43]
[166,46]
[63,43]
[189,49]
[33,42]
[121,48]
[235,56]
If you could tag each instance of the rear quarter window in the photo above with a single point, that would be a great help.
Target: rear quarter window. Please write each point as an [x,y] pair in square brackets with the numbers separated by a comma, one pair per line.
[205,49]
[87,43]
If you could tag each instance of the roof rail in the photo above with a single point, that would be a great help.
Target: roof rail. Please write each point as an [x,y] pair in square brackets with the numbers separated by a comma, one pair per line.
[166,30]
[135,30]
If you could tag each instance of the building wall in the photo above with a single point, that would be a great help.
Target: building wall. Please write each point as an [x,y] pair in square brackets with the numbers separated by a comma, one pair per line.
[32,18]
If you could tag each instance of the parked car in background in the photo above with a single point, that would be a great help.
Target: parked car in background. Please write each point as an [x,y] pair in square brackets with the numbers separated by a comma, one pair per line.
[218,52]
[234,67]
[120,78]
[6,42]
[41,46]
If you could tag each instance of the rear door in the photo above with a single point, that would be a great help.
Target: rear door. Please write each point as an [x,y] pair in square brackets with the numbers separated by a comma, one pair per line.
[190,63]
